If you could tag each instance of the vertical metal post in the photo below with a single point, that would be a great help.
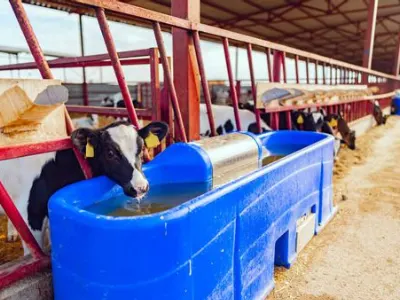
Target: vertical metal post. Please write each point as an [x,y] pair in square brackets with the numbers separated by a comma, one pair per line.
[204,82]
[269,66]
[336,76]
[396,65]
[330,75]
[284,67]
[237,63]
[307,71]
[323,73]
[253,86]
[316,72]
[185,71]
[84,84]
[278,58]
[168,80]
[370,35]
[296,65]
[155,84]
[232,83]
[278,61]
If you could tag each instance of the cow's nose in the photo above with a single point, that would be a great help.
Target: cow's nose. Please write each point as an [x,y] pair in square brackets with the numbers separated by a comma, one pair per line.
[145,189]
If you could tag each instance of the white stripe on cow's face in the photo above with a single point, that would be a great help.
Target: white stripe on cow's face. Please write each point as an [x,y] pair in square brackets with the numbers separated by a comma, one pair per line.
[126,137]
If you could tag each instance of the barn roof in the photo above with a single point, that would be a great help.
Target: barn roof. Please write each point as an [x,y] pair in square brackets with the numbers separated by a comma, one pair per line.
[332,28]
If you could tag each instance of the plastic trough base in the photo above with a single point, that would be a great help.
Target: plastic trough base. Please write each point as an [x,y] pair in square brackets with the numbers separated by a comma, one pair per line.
[322,225]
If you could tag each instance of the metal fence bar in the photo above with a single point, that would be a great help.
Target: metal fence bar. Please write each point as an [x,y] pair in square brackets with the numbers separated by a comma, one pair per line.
[269,65]
[169,81]
[253,86]
[204,82]
[232,83]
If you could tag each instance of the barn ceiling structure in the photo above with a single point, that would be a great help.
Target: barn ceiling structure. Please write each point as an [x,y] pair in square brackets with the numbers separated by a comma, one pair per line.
[332,28]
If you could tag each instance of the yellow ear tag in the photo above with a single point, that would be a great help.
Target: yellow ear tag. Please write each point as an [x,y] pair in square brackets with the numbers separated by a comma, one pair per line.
[152,141]
[300,119]
[333,123]
[89,150]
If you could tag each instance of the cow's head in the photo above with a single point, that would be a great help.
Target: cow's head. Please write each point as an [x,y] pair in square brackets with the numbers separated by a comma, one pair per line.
[107,102]
[348,136]
[116,151]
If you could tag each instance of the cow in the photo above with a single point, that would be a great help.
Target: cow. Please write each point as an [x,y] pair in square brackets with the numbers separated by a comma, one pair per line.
[116,100]
[320,122]
[115,151]
[379,117]
[224,120]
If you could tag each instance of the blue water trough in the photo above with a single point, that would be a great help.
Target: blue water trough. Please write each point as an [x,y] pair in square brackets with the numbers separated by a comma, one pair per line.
[237,219]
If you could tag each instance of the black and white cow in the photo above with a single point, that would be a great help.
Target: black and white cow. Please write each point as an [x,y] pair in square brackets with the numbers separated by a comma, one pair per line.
[379,117]
[118,150]
[116,100]
[224,119]
[320,122]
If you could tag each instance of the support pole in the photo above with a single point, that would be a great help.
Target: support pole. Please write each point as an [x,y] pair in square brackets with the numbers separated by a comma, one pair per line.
[396,65]
[235,101]
[84,83]
[370,35]
[253,86]
[204,82]
[119,73]
[186,78]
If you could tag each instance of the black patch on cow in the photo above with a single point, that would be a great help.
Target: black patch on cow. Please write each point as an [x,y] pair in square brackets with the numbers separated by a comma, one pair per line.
[220,130]
[228,126]
[57,173]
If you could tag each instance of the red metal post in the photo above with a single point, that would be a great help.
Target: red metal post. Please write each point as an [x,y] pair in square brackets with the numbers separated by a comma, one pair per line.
[269,67]
[204,82]
[396,65]
[296,65]
[119,73]
[370,35]
[284,67]
[253,87]
[307,72]
[185,67]
[31,39]
[232,83]
[278,58]
[278,61]
[238,87]
[155,85]
[171,87]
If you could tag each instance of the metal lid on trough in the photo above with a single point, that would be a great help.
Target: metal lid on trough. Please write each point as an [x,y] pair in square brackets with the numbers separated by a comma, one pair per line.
[231,155]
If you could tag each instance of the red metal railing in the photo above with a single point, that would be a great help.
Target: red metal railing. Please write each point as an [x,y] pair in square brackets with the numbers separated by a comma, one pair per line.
[352,109]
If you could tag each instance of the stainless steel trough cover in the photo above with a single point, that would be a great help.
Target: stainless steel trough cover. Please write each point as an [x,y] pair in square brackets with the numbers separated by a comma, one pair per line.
[231,155]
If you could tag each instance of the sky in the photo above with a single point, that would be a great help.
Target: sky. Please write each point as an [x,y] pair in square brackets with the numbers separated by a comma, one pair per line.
[58,31]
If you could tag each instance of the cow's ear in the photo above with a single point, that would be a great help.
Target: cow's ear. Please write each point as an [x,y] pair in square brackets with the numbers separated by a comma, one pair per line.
[85,140]
[153,133]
